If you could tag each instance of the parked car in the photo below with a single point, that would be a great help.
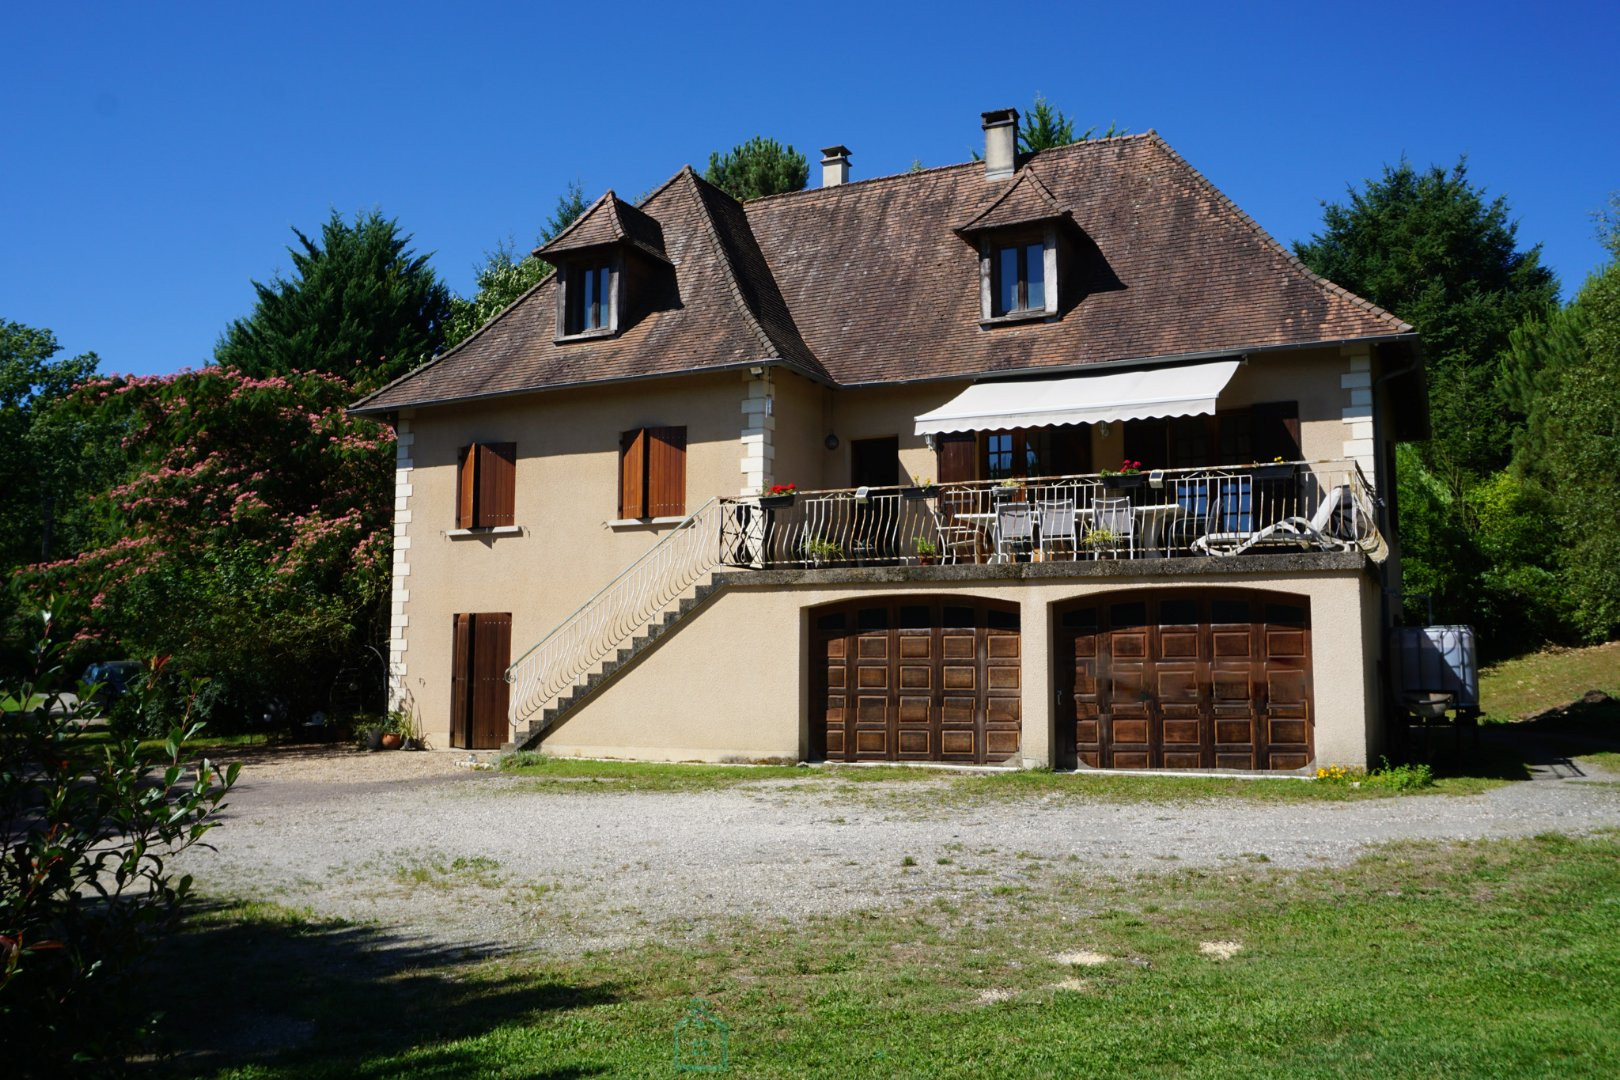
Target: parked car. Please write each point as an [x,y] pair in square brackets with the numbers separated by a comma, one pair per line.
[113,677]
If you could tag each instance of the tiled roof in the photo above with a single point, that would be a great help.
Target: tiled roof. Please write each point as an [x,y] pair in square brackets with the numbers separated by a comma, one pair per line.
[609,220]
[870,282]
[1022,202]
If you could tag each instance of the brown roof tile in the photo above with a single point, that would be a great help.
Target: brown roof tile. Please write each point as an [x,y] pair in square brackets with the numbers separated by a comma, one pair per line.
[869,282]
[608,221]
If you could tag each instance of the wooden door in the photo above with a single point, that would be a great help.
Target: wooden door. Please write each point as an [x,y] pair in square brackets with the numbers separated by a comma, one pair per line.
[916,679]
[1197,680]
[481,652]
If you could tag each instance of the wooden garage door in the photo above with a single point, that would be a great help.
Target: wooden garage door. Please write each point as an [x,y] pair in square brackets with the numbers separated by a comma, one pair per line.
[915,679]
[1205,680]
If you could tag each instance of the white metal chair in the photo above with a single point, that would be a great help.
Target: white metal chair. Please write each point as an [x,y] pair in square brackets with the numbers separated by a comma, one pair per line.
[1015,528]
[955,538]
[1057,521]
[1113,528]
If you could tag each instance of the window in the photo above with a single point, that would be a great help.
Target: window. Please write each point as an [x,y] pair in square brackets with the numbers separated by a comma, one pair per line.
[652,473]
[1046,451]
[1019,278]
[486,485]
[1230,437]
[588,293]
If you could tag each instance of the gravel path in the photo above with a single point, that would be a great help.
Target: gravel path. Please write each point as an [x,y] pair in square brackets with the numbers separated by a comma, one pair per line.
[455,855]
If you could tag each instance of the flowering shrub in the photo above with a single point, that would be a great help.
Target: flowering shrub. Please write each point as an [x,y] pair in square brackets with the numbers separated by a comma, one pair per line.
[250,536]
[1386,776]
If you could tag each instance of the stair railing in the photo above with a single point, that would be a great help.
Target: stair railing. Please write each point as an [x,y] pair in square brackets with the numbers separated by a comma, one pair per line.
[621,608]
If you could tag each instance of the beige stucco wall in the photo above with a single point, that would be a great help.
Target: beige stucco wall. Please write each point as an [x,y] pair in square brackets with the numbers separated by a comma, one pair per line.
[565,507]
[732,682]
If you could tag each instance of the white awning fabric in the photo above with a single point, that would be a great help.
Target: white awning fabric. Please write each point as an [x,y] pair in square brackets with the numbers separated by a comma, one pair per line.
[1189,390]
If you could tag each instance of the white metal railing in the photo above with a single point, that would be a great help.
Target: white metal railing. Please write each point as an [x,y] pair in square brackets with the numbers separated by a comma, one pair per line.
[627,604]
[1205,511]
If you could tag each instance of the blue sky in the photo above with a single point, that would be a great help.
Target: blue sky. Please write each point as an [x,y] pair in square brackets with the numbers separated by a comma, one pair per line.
[158,154]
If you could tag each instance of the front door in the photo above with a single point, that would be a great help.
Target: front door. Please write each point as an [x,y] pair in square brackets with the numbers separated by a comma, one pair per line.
[481,652]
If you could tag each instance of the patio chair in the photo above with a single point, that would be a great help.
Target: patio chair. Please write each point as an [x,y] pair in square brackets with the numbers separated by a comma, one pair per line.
[1331,528]
[1015,528]
[1057,521]
[1113,528]
[956,538]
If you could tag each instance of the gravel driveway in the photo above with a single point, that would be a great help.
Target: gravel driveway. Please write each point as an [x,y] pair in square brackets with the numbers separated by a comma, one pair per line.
[445,853]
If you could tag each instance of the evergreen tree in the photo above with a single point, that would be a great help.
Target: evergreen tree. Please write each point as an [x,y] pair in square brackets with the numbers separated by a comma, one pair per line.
[360,305]
[757,168]
[1432,248]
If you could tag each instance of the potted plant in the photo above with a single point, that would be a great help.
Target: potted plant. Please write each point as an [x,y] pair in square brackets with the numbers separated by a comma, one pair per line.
[820,551]
[919,489]
[368,736]
[1128,475]
[777,496]
[1008,489]
[1101,541]
[405,723]
[927,550]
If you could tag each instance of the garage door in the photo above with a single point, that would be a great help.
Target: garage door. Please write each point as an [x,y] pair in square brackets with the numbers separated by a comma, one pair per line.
[1204,680]
[915,679]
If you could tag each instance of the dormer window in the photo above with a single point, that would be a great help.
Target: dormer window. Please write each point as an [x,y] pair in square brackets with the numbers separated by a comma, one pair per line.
[1020,278]
[590,298]
[611,270]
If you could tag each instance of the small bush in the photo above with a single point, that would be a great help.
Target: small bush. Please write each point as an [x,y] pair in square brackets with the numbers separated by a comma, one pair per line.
[85,892]
[519,759]
[1386,776]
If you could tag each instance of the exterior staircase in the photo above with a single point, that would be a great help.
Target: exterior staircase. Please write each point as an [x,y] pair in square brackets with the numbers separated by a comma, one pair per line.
[626,617]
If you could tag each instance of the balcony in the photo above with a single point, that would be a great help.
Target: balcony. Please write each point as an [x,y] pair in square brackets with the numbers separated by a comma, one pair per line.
[1203,513]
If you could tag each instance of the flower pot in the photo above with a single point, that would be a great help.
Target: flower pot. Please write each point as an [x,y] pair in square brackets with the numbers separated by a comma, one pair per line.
[775,502]
[927,560]
[1124,481]
[374,739]
[916,492]
[392,741]
[1277,471]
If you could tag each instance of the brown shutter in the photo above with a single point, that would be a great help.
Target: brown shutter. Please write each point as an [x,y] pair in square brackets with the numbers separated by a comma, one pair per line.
[633,474]
[491,652]
[461,682]
[666,472]
[497,484]
[957,457]
[466,486]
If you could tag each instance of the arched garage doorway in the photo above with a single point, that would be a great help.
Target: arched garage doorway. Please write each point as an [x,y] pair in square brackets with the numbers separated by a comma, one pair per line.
[1195,679]
[915,678]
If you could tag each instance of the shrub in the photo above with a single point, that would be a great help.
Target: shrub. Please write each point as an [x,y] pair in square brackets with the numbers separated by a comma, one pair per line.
[85,889]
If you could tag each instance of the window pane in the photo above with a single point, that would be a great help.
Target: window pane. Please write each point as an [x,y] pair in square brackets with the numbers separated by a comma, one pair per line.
[1035,276]
[998,456]
[588,301]
[1007,280]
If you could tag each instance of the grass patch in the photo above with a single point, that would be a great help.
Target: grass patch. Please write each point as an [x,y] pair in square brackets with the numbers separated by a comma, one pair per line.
[944,790]
[1525,685]
[1488,958]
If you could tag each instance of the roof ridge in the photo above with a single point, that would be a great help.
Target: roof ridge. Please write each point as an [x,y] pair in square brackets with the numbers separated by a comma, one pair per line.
[1276,245]
[809,192]
[732,285]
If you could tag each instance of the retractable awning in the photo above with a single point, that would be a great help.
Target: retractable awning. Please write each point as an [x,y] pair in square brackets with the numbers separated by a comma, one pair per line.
[1189,390]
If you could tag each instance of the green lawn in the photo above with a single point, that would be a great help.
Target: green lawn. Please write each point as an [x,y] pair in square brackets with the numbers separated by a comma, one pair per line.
[920,787]
[1480,959]
[1517,688]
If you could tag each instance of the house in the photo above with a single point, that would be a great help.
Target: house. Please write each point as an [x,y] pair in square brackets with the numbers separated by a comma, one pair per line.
[948,367]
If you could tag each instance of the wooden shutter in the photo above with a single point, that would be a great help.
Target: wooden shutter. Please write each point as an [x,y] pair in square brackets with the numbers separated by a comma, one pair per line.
[466,486]
[666,472]
[497,484]
[491,653]
[957,457]
[461,682]
[633,474]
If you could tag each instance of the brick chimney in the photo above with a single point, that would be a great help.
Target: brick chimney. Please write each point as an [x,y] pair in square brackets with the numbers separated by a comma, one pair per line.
[834,166]
[1000,143]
